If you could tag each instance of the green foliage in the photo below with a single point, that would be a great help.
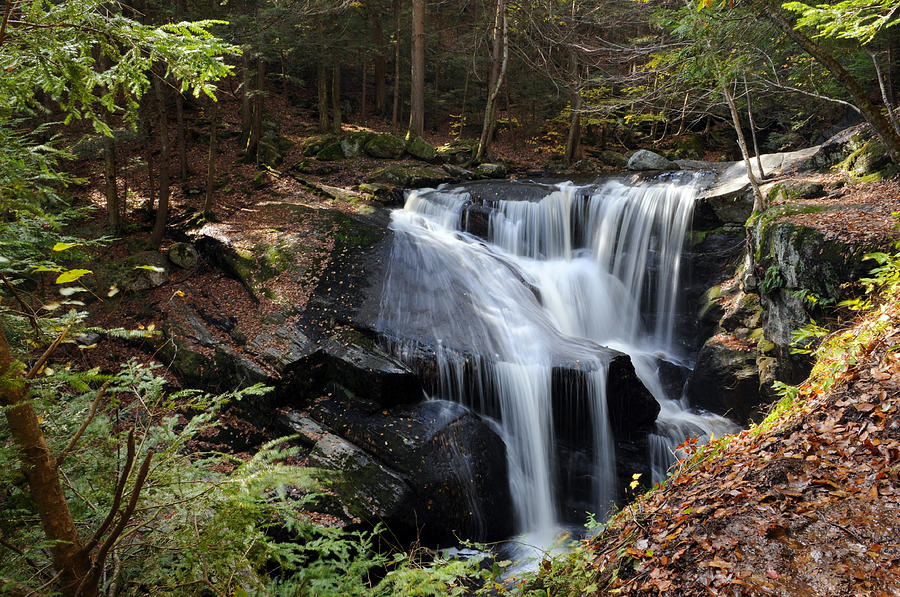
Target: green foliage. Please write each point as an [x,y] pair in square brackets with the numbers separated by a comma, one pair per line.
[51,48]
[859,20]
[773,280]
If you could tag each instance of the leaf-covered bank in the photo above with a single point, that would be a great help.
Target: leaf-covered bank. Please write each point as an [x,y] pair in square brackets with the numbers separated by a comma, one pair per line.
[805,503]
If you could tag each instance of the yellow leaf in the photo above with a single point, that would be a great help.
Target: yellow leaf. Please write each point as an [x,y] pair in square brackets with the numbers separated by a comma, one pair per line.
[64,246]
[72,275]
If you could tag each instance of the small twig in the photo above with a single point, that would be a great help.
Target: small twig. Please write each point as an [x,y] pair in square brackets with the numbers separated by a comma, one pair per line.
[6,14]
[47,354]
[76,492]
[84,425]
[32,317]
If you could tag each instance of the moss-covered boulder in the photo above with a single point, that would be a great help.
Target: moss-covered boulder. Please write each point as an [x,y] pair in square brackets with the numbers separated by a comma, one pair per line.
[352,143]
[491,170]
[385,146]
[421,149]
[791,191]
[612,159]
[411,176]
[313,145]
[184,255]
[459,151]
[146,270]
[331,151]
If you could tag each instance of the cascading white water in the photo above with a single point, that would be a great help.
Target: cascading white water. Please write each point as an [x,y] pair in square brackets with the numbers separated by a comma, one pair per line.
[555,282]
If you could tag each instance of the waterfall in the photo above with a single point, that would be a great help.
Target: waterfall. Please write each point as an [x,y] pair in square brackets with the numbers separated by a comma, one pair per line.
[552,286]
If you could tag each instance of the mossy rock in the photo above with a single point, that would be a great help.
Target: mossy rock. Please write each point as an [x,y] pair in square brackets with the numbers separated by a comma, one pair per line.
[313,145]
[868,159]
[612,159]
[459,151]
[422,149]
[331,151]
[411,176]
[790,191]
[352,143]
[146,270]
[491,170]
[184,255]
[385,146]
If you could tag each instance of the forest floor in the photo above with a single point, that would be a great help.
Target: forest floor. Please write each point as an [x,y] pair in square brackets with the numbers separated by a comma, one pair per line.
[807,504]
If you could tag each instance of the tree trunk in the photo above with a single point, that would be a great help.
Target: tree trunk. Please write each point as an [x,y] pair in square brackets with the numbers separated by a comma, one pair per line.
[363,99]
[246,108]
[573,141]
[762,172]
[322,88]
[147,130]
[758,202]
[889,137]
[417,82]
[501,57]
[180,138]
[885,93]
[162,210]
[380,64]
[211,161]
[258,105]
[113,208]
[41,473]
[395,114]
[336,116]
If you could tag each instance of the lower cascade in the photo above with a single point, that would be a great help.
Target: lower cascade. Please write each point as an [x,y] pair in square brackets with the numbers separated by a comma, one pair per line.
[520,306]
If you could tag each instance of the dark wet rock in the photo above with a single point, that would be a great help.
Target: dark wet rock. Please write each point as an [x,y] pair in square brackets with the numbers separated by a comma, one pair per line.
[644,159]
[612,159]
[453,461]
[725,379]
[184,255]
[368,489]
[367,371]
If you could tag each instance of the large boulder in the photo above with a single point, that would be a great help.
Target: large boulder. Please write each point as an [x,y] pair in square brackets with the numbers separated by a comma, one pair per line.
[184,255]
[644,159]
[367,488]
[352,143]
[411,176]
[490,170]
[422,149]
[148,269]
[725,378]
[385,146]
[453,462]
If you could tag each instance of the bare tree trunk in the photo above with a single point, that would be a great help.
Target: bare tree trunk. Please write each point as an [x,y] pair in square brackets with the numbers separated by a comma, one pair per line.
[211,161]
[417,82]
[573,140]
[762,172]
[683,113]
[322,89]
[113,208]
[379,63]
[162,211]
[336,117]
[363,100]
[501,57]
[147,130]
[758,201]
[40,467]
[882,85]
[246,108]
[258,105]
[395,115]
[180,138]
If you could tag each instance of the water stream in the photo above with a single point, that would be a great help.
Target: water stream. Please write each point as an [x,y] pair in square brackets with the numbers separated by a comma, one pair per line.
[552,284]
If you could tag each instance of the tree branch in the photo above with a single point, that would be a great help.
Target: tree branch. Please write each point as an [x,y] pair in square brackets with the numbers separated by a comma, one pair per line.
[117,497]
[36,368]
[87,421]
[25,307]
